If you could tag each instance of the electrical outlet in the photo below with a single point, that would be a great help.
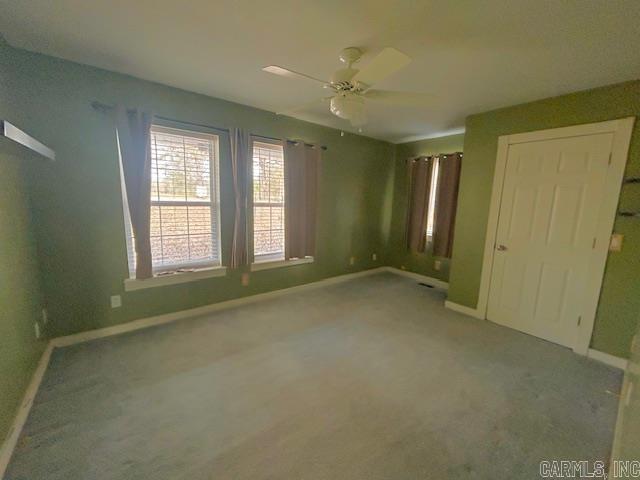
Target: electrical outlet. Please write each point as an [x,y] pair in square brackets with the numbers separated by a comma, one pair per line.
[116,301]
[437,264]
[36,326]
[45,316]
[245,279]
[374,257]
[352,260]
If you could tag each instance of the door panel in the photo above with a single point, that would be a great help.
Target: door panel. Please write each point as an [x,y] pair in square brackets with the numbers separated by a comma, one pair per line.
[549,209]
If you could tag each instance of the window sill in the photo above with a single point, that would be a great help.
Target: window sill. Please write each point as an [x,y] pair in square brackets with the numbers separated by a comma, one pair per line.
[256,267]
[131,284]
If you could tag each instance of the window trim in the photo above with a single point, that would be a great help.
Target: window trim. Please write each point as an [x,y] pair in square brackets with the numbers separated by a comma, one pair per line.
[270,264]
[213,204]
[256,260]
[172,278]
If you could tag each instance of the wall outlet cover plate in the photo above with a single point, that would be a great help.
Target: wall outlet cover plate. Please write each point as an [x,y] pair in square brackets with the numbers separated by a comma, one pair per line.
[116,301]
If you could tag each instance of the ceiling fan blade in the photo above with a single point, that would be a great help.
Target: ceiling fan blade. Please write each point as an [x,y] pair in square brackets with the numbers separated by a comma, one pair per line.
[293,110]
[385,64]
[400,98]
[285,72]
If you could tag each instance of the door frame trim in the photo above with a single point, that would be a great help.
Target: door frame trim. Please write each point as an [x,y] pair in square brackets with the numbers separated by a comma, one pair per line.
[622,130]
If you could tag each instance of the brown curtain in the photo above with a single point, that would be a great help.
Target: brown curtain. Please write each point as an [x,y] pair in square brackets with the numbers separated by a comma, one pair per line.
[301,165]
[445,205]
[133,136]
[240,168]
[419,172]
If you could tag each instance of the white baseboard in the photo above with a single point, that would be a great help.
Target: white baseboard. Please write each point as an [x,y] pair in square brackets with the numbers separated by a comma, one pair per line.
[192,312]
[456,307]
[603,357]
[419,277]
[11,441]
[612,360]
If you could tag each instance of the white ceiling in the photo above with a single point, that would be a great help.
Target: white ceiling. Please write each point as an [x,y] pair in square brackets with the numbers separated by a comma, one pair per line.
[472,55]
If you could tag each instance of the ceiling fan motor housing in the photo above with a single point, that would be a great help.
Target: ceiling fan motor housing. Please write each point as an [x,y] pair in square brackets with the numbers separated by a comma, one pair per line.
[342,78]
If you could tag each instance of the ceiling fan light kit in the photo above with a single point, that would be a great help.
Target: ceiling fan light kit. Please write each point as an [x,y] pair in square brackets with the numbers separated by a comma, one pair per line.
[351,86]
[350,107]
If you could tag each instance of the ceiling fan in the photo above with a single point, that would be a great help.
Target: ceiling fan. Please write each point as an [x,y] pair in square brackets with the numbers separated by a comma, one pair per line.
[352,86]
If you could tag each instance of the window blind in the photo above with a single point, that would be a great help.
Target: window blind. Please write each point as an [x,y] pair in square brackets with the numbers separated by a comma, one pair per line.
[268,201]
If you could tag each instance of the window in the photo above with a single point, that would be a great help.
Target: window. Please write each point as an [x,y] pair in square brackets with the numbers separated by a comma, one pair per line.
[268,202]
[185,204]
[433,191]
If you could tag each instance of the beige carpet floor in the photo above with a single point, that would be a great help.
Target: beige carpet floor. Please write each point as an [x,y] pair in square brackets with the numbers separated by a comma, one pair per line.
[368,379]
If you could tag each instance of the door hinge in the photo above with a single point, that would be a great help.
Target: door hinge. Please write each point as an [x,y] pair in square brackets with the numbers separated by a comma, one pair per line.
[579,320]
[593,245]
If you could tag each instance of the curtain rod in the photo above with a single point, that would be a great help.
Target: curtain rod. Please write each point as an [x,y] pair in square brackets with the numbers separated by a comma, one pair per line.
[294,142]
[103,107]
[437,155]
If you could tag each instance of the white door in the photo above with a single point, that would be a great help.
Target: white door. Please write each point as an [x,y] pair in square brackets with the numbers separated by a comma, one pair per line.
[551,198]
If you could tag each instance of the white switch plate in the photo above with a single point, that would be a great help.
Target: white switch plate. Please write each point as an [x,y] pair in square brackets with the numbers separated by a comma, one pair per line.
[45,316]
[36,325]
[374,257]
[352,260]
[116,301]
[437,264]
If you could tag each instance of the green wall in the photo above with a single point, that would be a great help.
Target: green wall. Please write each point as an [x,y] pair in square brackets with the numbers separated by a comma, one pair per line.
[77,200]
[398,255]
[20,300]
[620,299]
[20,297]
